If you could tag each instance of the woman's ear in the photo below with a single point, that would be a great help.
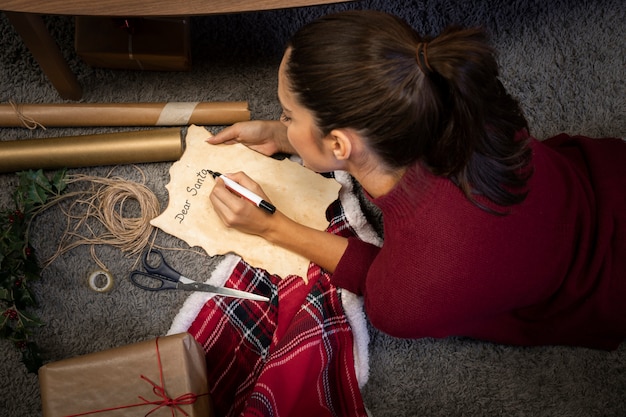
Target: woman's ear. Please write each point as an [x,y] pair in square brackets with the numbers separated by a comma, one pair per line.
[342,143]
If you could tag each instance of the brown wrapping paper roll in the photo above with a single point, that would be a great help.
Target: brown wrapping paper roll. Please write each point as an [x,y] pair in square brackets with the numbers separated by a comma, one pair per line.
[123,114]
[156,145]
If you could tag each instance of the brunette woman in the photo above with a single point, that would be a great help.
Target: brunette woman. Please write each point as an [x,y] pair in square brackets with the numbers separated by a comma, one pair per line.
[488,232]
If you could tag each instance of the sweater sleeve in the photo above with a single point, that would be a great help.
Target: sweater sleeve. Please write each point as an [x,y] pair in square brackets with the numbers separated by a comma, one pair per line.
[354,265]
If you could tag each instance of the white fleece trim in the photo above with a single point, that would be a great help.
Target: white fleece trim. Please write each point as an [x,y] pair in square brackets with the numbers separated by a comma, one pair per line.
[353,304]
[352,209]
[194,303]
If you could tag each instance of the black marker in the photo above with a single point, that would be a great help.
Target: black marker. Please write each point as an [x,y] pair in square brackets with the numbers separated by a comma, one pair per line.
[242,191]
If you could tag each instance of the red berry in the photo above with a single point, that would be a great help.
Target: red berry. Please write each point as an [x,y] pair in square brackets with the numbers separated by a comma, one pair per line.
[10,313]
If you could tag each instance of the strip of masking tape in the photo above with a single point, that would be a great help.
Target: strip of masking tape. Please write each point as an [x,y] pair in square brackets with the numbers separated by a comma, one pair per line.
[101,281]
[176,114]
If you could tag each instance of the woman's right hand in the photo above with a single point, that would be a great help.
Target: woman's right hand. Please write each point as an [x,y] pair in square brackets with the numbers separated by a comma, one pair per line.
[264,136]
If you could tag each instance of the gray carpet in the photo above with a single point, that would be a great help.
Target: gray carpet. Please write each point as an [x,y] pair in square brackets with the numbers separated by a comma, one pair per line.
[564,60]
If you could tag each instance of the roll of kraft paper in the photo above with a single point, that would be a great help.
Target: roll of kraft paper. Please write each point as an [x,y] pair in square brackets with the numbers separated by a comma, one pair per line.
[123,114]
[155,145]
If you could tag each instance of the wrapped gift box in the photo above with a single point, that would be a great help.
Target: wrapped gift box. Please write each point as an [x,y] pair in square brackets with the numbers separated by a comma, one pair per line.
[157,44]
[121,380]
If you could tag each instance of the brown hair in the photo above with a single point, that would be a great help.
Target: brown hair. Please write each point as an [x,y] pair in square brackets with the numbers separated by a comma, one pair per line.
[365,70]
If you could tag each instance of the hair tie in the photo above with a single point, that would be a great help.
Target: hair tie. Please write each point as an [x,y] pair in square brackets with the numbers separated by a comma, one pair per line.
[422,59]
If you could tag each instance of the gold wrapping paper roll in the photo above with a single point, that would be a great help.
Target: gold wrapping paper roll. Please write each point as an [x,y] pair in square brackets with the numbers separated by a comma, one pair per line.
[123,114]
[155,145]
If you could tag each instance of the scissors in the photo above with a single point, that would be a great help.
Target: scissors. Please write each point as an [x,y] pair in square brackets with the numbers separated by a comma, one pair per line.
[161,277]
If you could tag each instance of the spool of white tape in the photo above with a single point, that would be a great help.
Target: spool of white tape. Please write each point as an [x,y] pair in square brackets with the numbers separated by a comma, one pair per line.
[101,281]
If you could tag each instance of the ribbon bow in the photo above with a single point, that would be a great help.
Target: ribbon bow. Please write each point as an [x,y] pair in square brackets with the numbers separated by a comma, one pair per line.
[159,390]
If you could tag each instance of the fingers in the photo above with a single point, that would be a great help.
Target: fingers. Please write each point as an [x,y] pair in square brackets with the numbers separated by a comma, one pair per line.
[236,212]
[228,136]
[265,137]
[224,195]
[247,182]
[225,203]
[222,200]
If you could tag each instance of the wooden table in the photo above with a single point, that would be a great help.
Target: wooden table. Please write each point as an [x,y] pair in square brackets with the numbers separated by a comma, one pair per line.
[25,16]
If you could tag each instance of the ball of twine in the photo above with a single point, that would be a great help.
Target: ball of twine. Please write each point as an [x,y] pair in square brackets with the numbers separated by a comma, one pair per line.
[99,216]
[130,234]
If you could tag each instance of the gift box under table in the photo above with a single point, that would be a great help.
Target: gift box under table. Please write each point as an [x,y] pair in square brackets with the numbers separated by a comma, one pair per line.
[126,381]
[153,44]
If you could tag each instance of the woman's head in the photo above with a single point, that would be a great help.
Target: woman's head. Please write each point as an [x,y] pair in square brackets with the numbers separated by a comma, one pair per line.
[437,101]
[358,70]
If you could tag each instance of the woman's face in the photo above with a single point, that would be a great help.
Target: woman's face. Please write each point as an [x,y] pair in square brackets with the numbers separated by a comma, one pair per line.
[303,135]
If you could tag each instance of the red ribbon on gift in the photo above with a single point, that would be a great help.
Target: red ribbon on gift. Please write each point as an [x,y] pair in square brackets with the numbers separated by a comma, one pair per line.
[159,390]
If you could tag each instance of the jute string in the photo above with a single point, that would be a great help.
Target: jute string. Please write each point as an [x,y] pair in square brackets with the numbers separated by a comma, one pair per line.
[27,121]
[98,216]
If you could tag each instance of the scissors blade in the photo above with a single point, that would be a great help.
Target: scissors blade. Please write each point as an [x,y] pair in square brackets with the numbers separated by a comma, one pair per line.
[190,285]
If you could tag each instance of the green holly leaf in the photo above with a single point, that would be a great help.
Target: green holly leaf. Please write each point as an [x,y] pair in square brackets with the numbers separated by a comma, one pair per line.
[59,181]
[30,319]
[35,188]
[18,262]
[27,191]
[6,280]
[31,357]
[31,270]
[23,297]
[14,248]
[5,328]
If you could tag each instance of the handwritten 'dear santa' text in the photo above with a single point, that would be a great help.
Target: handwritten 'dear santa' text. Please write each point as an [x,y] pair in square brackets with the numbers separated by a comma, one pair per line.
[193,190]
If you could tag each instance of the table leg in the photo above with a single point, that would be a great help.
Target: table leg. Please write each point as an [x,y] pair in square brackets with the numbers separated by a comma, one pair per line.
[37,39]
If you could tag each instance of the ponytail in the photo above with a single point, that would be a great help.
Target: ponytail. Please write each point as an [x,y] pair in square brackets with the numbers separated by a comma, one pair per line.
[477,146]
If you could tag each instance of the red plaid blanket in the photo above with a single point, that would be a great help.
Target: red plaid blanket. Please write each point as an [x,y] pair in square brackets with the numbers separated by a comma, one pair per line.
[292,356]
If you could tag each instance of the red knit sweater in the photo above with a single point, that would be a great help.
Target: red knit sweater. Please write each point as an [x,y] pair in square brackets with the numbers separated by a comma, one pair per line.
[553,271]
